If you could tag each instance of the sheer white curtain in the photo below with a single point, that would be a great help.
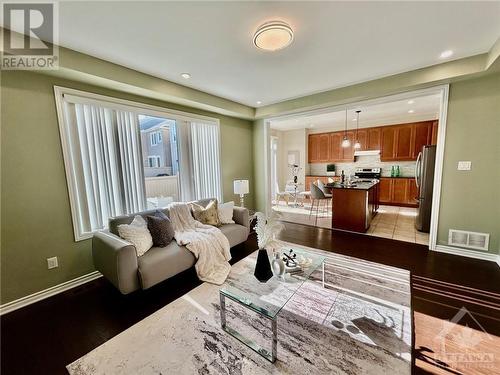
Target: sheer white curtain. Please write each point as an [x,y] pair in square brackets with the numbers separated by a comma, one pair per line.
[205,160]
[107,160]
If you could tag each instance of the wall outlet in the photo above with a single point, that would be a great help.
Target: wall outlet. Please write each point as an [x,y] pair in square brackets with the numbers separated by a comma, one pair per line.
[464,166]
[52,263]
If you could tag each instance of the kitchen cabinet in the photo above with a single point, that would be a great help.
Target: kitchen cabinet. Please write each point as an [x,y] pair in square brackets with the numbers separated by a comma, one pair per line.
[400,142]
[434,133]
[336,152]
[373,138]
[398,191]
[388,137]
[423,136]
[362,139]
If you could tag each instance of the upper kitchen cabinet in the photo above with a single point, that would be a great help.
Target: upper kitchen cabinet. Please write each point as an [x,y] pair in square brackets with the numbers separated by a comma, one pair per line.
[387,144]
[336,152]
[405,141]
[362,139]
[319,148]
[313,148]
[423,135]
[373,138]
[324,148]
[434,132]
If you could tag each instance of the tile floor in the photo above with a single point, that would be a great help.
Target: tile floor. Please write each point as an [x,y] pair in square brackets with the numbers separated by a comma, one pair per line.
[397,223]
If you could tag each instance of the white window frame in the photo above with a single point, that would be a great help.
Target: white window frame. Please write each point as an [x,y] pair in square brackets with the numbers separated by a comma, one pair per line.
[120,104]
[155,138]
[156,159]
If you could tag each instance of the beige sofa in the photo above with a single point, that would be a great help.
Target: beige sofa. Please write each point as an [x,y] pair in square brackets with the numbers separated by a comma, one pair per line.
[117,259]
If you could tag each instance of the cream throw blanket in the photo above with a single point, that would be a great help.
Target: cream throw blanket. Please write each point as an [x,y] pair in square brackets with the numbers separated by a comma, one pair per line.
[207,243]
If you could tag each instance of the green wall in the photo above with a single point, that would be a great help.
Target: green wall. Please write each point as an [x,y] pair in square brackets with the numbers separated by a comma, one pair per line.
[470,200]
[35,212]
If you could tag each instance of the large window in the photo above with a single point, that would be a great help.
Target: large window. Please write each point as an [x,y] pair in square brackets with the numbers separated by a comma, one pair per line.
[123,157]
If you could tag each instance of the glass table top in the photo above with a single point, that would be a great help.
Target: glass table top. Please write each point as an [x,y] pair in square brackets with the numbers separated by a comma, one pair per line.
[270,297]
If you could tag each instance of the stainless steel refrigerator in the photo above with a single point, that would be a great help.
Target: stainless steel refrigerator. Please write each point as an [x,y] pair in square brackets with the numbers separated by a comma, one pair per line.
[424,177]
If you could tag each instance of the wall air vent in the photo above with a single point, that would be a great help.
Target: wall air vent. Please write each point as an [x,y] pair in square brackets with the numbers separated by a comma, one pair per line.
[471,240]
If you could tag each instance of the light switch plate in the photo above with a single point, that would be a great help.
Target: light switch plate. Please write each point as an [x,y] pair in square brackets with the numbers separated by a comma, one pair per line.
[52,263]
[464,165]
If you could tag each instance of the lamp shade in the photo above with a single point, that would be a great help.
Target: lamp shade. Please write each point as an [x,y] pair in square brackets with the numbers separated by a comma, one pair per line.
[241,187]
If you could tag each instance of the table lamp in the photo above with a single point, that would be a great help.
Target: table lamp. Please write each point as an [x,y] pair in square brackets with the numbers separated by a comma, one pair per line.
[241,188]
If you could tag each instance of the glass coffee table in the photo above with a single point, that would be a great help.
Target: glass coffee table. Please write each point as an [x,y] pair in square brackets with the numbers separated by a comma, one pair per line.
[266,299]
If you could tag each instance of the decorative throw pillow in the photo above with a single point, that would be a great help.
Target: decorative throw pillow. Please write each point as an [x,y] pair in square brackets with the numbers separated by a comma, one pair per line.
[206,215]
[137,234]
[225,211]
[161,229]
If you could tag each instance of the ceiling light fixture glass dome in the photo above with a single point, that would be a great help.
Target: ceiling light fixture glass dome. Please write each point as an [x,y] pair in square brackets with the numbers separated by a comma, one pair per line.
[357,145]
[273,36]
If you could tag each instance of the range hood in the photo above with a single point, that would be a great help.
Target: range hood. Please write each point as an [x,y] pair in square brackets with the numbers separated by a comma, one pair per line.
[367,153]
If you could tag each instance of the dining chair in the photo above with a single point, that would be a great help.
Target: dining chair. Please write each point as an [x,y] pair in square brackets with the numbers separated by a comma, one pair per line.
[285,194]
[318,196]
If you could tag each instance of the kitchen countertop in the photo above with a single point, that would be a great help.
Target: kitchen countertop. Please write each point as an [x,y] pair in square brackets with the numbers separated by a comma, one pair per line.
[354,186]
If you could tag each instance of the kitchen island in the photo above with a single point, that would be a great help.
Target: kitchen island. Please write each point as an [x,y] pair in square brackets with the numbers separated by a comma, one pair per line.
[354,205]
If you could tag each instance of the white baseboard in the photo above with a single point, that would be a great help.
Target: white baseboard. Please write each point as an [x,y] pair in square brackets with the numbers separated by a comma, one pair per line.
[38,296]
[468,253]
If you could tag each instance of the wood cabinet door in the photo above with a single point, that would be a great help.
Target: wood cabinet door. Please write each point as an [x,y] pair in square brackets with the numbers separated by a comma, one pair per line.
[434,133]
[313,148]
[400,190]
[362,139]
[423,132]
[385,190]
[324,148]
[348,152]
[404,142]
[412,192]
[373,138]
[336,147]
[387,144]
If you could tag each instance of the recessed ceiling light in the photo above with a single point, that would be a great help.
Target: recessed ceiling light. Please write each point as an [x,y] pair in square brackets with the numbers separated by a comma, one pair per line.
[186,75]
[411,101]
[446,54]
[353,119]
[273,36]
[259,102]
[311,125]
[411,111]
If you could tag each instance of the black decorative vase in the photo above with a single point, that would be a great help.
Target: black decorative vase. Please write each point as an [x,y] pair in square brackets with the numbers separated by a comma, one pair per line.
[263,270]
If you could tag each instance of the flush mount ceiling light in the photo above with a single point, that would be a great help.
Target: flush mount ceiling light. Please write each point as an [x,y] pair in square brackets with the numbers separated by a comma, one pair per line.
[259,102]
[273,36]
[411,111]
[411,101]
[446,54]
[186,75]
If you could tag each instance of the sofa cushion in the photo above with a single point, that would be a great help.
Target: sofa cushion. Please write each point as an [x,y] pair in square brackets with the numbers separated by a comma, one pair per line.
[160,263]
[206,215]
[161,229]
[137,234]
[235,233]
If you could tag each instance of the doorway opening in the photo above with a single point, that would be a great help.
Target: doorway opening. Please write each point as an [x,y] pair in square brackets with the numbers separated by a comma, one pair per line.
[397,141]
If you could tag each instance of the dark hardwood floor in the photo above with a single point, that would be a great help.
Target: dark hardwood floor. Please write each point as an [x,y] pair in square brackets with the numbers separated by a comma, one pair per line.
[44,337]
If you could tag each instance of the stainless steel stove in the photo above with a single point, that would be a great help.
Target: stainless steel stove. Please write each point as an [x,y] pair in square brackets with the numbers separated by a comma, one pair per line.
[366,174]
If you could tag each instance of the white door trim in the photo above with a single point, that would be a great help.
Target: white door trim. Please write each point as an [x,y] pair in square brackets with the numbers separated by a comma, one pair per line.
[442,90]
[49,292]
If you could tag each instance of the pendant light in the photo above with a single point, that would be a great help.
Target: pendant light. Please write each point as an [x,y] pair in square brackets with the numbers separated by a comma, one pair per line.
[357,145]
[345,141]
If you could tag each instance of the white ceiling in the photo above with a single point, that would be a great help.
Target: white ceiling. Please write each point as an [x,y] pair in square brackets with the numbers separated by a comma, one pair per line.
[336,43]
[395,112]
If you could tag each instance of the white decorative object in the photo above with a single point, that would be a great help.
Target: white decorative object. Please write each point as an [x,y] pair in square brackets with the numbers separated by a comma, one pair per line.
[226,212]
[241,188]
[267,230]
[137,234]
[278,265]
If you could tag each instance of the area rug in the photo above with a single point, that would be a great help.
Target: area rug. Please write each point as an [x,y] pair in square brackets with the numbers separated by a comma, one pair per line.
[359,323]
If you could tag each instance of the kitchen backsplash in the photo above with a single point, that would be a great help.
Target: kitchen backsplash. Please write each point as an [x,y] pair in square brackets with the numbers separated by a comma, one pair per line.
[407,168]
